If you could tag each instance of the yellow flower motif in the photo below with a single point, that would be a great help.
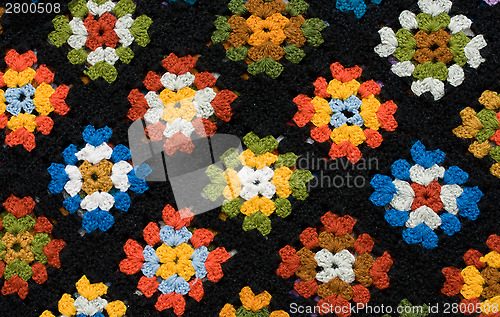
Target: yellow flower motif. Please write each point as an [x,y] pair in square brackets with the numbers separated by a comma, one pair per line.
[270,29]
[90,291]
[178,104]
[340,90]
[14,79]
[47,314]
[25,120]
[233,189]
[254,302]
[354,134]
[490,100]
[492,259]
[280,180]
[256,203]
[66,305]
[228,311]
[249,159]
[175,261]
[368,112]
[279,313]
[116,309]
[41,100]
[471,124]
[473,286]
[322,113]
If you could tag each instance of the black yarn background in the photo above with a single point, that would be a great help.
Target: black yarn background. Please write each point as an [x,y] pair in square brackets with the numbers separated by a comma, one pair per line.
[265,106]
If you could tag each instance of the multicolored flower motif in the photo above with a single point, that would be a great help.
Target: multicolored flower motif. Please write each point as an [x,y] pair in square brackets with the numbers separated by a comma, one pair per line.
[96,178]
[89,302]
[478,284]
[335,264]
[27,248]
[345,113]
[432,47]
[253,306]
[425,196]
[27,99]
[358,6]
[175,261]
[100,33]
[262,32]
[483,129]
[257,182]
[188,101]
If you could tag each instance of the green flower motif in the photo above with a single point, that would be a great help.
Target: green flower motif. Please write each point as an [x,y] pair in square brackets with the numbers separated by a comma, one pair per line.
[257,183]
[100,33]
[246,35]
[432,47]
[26,246]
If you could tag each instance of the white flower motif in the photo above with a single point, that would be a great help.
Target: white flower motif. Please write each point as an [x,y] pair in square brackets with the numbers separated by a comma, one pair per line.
[107,54]
[338,265]
[178,125]
[202,102]
[175,83]
[101,200]
[460,23]
[74,185]
[424,176]
[94,154]
[456,75]
[424,215]
[153,114]
[449,195]
[90,308]
[122,30]
[403,69]
[119,176]
[79,37]
[403,199]
[99,10]
[408,20]
[474,58]
[435,7]
[389,42]
[429,84]
[256,182]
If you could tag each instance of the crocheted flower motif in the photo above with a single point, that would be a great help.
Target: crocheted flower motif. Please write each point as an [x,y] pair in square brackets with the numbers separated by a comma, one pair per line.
[180,102]
[483,129]
[262,32]
[358,6]
[335,264]
[257,182]
[346,113]
[478,284]
[88,302]
[175,261]
[27,99]
[27,248]
[432,47]
[100,33]
[425,196]
[96,178]
[253,305]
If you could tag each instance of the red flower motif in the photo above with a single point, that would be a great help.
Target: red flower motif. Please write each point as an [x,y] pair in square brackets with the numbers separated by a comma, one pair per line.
[429,196]
[101,31]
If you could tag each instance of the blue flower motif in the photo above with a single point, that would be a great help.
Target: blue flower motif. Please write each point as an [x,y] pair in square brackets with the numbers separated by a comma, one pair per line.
[173,238]
[425,196]
[351,105]
[20,99]
[198,260]
[358,6]
[176,284]
[95,205]
[152,261]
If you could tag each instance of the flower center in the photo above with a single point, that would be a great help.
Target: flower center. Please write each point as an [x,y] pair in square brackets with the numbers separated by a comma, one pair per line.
[347,114]
[17,247]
